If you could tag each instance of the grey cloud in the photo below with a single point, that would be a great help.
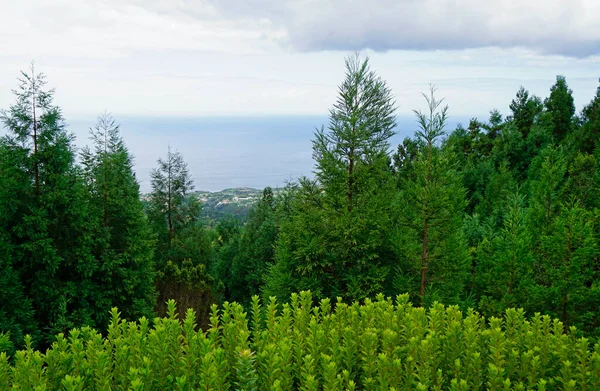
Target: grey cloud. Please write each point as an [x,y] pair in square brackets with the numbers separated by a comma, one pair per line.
[570,28]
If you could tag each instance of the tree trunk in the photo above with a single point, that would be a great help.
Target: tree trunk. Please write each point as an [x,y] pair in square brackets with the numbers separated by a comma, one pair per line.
[35,146]
[169,217]
[350,182]
[424,262]
[425,255]
[105,190]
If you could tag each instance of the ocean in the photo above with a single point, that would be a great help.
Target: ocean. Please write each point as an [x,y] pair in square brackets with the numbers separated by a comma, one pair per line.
[226,152]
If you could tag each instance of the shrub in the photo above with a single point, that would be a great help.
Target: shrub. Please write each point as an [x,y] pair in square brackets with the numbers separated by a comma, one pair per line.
[379,345]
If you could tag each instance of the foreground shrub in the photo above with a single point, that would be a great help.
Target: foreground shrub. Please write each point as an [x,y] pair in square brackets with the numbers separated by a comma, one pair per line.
[380,345]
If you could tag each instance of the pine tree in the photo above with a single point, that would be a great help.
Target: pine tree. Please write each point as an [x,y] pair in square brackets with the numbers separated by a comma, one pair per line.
[500,184]
[586,138]
[495,124]
[525,109]
[360,126]
[183,253]
[405,156]
[521,138]
[174,210]
[583,176]
[561,106]
[546,184]
[505,261]
[16,311]
[335,239]
[228,233]
[126,247]
[568,286]
[256,249]
[430,216]
[48,223]
[171,183]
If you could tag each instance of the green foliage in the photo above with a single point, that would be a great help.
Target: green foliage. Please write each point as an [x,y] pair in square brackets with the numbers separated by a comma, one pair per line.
[333,240]
[531,191]
[16,312]
[183,252]
[430,242]
[173,212]
[379,345]
[561,106]
[547,179]
[504,267]
[47,239]
[125,247]
[494,215]
[582,180]
[245,253]
[586,137]
[568,277]
[525,109]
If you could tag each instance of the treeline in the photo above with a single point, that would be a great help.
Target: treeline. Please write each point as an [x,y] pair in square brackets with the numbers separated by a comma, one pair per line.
[501,214]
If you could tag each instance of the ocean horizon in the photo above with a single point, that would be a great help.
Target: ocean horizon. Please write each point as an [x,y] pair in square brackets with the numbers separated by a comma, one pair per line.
[229,152]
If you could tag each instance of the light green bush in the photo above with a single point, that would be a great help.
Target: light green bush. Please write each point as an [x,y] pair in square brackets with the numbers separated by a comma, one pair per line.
[379,345]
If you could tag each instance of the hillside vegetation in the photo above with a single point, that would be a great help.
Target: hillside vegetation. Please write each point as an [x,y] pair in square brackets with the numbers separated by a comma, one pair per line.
[502,213]
[381,345]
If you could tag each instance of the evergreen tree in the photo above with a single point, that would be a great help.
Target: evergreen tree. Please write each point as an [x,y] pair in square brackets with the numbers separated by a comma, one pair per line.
[431,208]
[587,136]
[125,249]
[227,247]
[171,184]
[568,281]
[583,176]
[405,156]
[470,149]
[335,240]
[256,250]
[505,262]
[360,126]
[47,224]
[495,124]
[525,109]
[511,148]
[546,183]
[183,254]
[16,311]
[494,201]
[561,106]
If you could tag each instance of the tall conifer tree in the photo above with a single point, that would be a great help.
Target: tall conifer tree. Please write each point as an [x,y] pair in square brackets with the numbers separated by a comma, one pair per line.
[432,204]
[568,279]
[183,253]
[48,221]
[561,106]
[126,246]
[504,268]
[335,241]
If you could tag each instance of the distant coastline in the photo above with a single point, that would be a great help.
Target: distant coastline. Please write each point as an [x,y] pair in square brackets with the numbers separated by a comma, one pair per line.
[230,152]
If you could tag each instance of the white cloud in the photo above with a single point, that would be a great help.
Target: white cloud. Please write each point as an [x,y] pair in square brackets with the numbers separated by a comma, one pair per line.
[111,28]
[566,27]
[174,57]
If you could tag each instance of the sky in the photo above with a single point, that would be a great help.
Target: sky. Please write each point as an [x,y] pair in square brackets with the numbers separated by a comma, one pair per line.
[286,57]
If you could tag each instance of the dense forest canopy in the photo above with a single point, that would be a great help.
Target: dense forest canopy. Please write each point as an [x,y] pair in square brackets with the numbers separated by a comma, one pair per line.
[499,214]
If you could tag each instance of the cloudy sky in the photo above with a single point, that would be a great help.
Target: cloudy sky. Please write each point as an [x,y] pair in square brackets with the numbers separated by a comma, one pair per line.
[263,57]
